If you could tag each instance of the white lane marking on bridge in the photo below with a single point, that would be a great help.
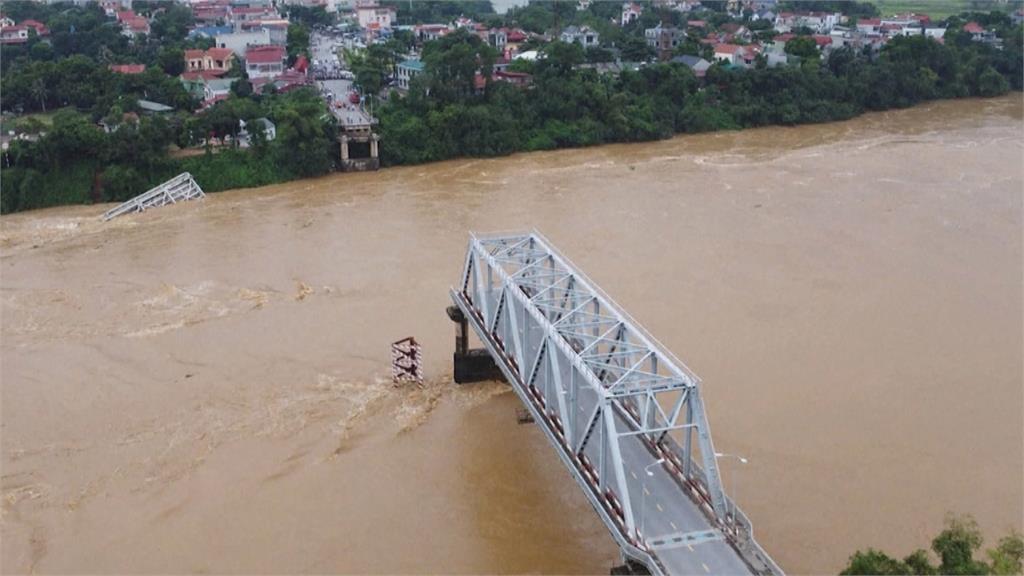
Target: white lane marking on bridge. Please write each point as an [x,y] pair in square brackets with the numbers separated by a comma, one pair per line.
[633,474]
[687,539]
[673,525]
[705,567]
[646,493]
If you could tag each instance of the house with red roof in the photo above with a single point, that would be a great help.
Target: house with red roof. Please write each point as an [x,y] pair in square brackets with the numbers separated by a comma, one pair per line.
[128,68]
[736,30]
[980,34]
[239,15]
[210,11]
[265,61]
[14,34]
[132,24]
[520,79]
[973,28]
[286,81]
[730,53]
[215,60]
[39,27]
[868,25]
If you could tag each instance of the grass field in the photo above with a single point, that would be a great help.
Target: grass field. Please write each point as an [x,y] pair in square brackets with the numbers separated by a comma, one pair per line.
[939,9]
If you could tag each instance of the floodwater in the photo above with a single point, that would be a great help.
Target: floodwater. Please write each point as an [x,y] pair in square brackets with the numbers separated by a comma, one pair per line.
[205,387]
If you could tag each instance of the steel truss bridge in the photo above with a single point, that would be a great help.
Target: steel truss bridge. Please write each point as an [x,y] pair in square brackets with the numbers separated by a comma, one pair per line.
[624,414]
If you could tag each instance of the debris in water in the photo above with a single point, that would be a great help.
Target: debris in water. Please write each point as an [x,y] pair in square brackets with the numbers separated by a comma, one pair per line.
[304,290]
[406,361]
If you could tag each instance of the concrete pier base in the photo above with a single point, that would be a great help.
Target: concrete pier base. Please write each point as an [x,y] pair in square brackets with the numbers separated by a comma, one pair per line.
[350,163]
[630,568]
[470,365]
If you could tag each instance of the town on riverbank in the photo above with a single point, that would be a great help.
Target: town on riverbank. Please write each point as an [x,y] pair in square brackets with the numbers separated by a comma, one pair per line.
[102,100]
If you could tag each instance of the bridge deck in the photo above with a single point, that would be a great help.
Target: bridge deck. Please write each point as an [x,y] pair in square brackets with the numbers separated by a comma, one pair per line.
[621,411]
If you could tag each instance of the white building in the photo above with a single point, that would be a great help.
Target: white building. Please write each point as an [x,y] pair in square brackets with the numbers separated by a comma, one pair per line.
[631,12]
[374,16]
[237,42]
[820,22]
[584,35]
[265,61]
[408,70]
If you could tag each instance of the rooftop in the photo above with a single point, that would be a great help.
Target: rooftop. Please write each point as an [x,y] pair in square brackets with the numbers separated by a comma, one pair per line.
[150,106]
[264,54]
[128,68]
[412,64]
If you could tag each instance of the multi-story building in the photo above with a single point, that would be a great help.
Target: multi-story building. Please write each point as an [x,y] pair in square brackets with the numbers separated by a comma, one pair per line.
[631,12]
[265,61]
[408,70]
[664,39]
[584,35]
[375,16]
[14,34]
[217,60]
[238,42]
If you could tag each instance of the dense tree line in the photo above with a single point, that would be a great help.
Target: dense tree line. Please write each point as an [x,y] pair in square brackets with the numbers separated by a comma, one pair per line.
[442,117]
[74,162]
[955,547]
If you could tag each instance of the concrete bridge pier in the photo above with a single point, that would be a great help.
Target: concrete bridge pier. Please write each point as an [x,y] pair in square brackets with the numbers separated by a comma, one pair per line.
[471,365]
[351,163]
[630,567]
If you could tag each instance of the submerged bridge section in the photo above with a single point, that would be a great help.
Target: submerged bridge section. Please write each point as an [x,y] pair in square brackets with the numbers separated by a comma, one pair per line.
[181,188]
[624,415]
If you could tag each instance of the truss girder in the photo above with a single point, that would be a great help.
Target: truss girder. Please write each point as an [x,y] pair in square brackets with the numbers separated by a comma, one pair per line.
[594,375]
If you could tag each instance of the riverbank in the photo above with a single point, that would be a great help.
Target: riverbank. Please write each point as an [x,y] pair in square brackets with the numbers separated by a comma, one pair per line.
[234,169]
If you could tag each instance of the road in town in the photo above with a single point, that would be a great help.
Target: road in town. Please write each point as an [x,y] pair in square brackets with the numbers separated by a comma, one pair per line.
[324,48]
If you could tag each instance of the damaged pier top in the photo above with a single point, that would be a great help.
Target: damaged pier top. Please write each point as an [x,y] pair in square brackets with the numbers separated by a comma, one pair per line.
[359,142]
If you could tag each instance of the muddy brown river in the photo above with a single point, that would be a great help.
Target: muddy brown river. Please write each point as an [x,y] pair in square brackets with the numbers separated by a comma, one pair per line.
[206,387]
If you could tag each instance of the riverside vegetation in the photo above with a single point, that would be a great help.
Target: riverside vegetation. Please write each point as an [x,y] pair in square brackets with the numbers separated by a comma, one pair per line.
[955,547]
[68,160]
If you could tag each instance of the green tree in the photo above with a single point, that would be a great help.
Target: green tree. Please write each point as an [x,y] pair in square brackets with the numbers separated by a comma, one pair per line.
[303,145]
[956,544]
[298,42]
[635,49]
[992,83]
[452,63]
[919,563]
[803,47]
[874,562]
[1007,558]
